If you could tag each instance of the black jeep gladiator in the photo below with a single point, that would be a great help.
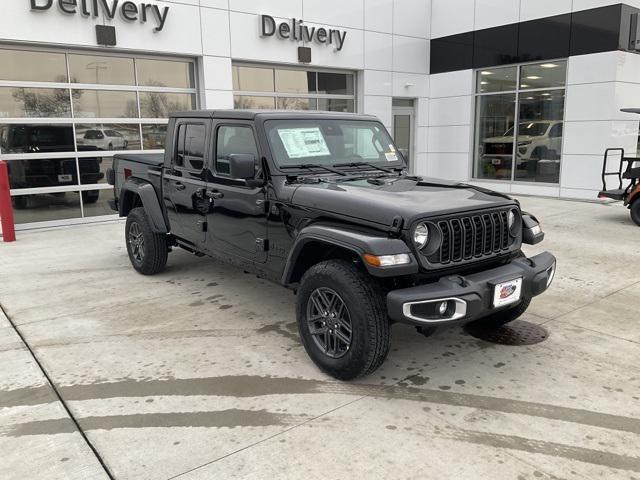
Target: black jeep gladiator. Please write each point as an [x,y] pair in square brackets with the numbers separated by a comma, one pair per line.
[322,204]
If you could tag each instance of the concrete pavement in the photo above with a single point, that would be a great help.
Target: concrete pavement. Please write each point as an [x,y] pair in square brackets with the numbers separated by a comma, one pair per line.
[198,373]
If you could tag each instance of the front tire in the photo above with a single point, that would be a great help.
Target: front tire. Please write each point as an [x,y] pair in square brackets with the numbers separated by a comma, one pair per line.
[342,320]
[148,250]
[635,211]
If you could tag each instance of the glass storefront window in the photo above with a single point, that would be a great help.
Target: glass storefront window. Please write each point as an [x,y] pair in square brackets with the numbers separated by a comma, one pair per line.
[544,75]
[42,172]
[107,137]
[24,66]
[101,70]
[161,105]
[292,89]
[18,102]
[295,81]
[16,138]
[104,104]
[247,102]
[253,79]
[497,80]
[336,105]
[335,83]
[154,136]
[539,139]
[290,103]
[99,86]
[46,207]
[94,170]
[518,135]
[495,117]
[165,73]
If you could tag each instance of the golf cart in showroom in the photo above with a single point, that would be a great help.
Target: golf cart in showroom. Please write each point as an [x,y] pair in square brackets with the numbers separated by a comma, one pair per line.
[628,169]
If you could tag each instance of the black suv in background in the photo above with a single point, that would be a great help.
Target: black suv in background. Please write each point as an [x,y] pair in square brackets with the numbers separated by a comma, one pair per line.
[47,172]
[322,204]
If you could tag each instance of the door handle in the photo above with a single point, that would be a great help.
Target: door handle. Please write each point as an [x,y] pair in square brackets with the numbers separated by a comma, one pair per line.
[215,195]
[180,186]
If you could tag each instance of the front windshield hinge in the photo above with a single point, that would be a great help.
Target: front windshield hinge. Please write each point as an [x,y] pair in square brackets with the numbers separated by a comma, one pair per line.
[396,226]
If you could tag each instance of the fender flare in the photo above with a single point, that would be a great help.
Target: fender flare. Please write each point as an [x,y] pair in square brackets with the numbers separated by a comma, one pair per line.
[355,242]
[149,199]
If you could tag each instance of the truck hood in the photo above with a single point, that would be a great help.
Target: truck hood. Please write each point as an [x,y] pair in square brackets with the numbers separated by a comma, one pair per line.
[408,197]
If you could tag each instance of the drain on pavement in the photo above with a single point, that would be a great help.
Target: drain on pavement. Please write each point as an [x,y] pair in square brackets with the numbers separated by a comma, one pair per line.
[517,332]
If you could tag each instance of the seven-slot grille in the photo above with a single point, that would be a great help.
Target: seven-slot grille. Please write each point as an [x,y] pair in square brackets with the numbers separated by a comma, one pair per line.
[473,236]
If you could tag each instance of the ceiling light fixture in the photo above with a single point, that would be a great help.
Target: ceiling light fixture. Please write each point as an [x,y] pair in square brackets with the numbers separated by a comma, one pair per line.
[533,77]
[549,65]
[486,73]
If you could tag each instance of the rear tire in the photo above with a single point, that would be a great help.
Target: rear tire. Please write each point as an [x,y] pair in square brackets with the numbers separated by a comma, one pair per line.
[148,250]
[356,306]
[504,317]
[635,211]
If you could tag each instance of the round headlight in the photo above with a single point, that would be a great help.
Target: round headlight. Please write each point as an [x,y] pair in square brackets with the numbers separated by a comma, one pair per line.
[421,235]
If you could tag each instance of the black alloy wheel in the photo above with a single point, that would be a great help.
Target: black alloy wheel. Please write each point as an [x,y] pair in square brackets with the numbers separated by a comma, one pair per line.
[329,322]
[136,242]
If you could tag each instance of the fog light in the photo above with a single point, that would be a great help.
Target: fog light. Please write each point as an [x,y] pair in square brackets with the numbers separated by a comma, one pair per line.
[387,260]
[550,274]
[442,309]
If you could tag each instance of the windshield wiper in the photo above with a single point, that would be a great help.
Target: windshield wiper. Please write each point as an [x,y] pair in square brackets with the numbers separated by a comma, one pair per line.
[308,166]
[364,164]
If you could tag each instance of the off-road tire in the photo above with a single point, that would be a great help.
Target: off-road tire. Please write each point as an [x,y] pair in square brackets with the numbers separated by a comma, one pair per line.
[635,211]
[366,305]
[155,248]
[503,317]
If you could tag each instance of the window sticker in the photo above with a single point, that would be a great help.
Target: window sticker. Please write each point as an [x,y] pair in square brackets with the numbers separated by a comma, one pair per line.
[391,156]
[304,142]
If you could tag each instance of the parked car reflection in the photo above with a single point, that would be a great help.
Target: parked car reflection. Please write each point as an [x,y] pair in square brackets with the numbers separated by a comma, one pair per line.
[539,145]
[47,172]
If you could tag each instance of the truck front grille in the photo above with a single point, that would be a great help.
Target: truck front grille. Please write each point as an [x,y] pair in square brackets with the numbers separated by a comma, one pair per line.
[471,237]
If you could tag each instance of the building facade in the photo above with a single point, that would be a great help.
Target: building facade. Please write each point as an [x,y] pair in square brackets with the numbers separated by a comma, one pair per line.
[522,96]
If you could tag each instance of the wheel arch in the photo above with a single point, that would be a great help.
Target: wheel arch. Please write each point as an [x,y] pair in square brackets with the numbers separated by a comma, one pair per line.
[317,243]
[135,193]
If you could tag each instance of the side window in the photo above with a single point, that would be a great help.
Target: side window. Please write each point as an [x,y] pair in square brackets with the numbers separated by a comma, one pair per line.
[233,140]
[190,147]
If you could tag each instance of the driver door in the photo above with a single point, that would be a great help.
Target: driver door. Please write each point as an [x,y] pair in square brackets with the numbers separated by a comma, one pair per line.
[238,219]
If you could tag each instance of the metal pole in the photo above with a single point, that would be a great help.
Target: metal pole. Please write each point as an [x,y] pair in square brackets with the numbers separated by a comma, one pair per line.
[6,210]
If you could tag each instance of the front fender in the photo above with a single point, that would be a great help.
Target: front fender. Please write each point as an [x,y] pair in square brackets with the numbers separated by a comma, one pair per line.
[357,242]
[144,190]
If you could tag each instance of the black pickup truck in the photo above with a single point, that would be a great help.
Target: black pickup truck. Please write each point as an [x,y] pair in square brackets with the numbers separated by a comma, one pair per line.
[322,204]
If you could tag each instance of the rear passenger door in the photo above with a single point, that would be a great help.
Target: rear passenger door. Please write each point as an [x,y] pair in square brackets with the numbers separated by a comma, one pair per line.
[184,182]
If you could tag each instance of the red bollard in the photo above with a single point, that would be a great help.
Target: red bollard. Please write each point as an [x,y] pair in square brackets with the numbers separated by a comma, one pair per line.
[6,210]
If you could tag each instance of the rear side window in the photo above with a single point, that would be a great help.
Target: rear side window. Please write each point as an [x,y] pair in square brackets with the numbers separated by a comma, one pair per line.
[233,140]
[191,147]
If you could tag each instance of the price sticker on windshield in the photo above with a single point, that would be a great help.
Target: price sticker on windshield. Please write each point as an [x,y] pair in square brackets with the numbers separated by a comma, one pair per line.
[391,156]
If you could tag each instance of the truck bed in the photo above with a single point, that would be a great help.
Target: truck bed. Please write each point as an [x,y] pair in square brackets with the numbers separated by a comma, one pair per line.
[151,159]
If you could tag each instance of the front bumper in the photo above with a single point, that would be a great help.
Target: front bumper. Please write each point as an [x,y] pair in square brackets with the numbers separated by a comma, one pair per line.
[470,297]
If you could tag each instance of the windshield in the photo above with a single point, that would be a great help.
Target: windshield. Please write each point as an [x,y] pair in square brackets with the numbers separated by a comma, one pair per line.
[330,142]
[530,129]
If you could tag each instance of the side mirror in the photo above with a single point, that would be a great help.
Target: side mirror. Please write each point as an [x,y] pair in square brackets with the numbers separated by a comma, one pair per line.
[242,166]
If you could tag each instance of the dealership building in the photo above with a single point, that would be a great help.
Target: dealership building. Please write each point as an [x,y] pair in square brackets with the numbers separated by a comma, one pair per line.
[521,96]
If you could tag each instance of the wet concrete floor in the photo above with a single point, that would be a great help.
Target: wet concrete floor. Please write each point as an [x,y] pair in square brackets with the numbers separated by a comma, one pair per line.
[197,373]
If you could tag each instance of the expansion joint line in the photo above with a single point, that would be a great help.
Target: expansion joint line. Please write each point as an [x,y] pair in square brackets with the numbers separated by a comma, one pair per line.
[57,394]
